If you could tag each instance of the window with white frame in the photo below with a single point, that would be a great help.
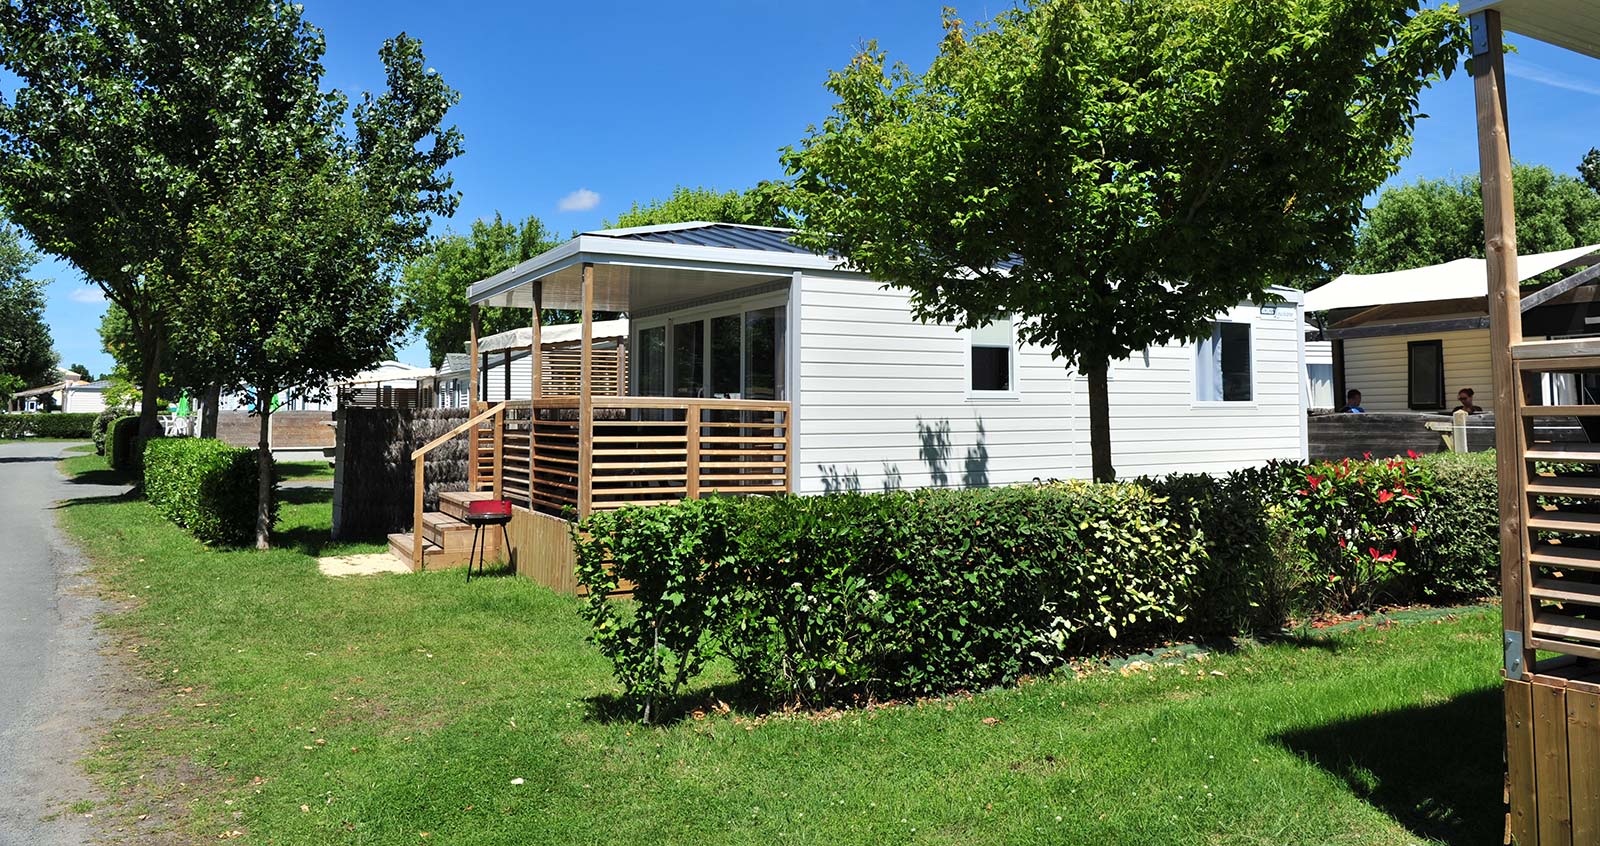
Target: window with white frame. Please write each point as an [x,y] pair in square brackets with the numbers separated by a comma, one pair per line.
[993,357]
[1222,366]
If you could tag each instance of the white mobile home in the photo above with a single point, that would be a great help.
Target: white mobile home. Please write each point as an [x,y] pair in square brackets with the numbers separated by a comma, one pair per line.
[880,400]
[754,366]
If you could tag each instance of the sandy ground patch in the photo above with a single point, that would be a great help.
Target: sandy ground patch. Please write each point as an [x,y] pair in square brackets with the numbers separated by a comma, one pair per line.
[360,565]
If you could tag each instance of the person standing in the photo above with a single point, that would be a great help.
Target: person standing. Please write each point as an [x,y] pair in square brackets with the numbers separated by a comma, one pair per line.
[1352,403]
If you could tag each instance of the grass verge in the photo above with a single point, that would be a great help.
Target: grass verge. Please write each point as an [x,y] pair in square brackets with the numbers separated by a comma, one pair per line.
[291,708]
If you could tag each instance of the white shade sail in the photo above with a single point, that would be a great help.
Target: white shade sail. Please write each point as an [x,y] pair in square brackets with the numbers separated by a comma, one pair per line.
[1454,280]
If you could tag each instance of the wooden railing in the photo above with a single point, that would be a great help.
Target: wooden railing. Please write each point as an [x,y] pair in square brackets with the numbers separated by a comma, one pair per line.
[642,451]
[562,372]
[491,415]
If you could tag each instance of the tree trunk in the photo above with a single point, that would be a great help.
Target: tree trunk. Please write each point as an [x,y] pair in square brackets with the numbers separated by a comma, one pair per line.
[1100,420]
[150,391]
[264,469]
[208,411]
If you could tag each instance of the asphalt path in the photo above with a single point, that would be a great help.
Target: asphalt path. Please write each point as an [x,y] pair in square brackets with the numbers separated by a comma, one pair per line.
[57,691]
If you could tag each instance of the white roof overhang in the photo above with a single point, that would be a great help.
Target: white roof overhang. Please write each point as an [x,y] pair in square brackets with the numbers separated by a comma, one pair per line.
[626,270]
[1573,24]
[1454,280]
[521,338]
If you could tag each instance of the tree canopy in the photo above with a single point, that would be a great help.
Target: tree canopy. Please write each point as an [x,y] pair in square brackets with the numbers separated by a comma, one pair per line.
[767,204]
[27,358]
[126,119]
[295,267]
[1116,173]
[1432,221]
[434,284]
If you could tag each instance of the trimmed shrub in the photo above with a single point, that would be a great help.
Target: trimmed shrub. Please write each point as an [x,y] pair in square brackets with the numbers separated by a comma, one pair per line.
[822,598]
[120,446]
[1244,585]
[205,486]
[1361,523]
[102,422]
[41,425]
[1461,555]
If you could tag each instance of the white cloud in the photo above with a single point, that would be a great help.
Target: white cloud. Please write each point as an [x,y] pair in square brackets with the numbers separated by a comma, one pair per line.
[1551,77]
[580,200]
[87,294]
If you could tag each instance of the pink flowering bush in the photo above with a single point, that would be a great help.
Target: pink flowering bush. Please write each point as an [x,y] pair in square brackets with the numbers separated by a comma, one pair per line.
[1360,521]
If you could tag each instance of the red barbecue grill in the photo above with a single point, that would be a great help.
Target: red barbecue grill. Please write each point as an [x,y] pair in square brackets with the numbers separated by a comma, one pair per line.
[480,515]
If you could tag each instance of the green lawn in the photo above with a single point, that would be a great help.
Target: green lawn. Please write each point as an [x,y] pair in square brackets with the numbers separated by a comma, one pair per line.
[403,709]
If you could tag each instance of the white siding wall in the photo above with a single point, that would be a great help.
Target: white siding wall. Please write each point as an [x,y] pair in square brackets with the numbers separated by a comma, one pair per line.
[1158,427]
[883,403]
[521,378]
[1377,367]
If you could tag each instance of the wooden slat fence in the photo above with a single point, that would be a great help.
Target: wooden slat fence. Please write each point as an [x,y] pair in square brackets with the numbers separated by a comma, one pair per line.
[645,451]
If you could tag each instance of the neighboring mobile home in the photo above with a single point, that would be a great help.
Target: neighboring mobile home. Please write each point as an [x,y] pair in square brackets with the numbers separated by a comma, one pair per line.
[1410,339]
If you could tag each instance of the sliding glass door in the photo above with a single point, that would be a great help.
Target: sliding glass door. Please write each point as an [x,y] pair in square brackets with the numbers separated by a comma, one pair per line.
[738,353]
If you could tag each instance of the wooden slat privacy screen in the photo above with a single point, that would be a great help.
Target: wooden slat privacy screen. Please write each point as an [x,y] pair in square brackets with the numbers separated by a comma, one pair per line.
[646,451]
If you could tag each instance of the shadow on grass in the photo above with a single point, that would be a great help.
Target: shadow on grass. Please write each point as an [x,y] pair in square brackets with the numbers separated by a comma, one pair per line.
[108,499]
[305,496]
[292,470]
[1437,770]
[611,708]
[103,477]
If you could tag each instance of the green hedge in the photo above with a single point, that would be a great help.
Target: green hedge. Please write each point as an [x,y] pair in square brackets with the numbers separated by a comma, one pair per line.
[819,598]
[205,486]
[824,598]
[52,425]
[122,448]
[102,423]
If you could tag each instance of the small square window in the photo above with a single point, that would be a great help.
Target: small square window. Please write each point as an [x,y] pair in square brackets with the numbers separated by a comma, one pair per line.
[991,356]
[1222,368]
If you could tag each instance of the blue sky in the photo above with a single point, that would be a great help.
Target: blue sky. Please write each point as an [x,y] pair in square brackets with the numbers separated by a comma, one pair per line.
[573,111]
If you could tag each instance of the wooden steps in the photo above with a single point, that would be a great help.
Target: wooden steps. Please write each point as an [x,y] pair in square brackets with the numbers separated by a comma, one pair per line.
[446,539]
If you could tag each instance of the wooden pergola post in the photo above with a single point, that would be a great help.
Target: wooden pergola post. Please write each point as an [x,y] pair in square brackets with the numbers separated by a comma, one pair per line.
[586,397]
[1505,329]
[536,352]
[472,366]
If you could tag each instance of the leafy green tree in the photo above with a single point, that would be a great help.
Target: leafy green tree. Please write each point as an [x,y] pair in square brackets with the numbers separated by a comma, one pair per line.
[1115,173]
[125,119]
[295,270]
[435,283]
[764,205]
[1432,221]
[26,354]
[83,371]
[1589,169]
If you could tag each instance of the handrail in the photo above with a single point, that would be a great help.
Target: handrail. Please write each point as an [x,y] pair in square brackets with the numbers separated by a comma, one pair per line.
[656,402]
[419,485]
[430,446]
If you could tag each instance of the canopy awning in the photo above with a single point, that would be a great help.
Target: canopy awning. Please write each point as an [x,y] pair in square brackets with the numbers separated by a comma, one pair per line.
[521,338]
[388,371]
[1454,280]
[1572,24]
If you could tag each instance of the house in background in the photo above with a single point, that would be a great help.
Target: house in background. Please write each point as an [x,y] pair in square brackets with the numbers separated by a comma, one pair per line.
[1410,339]
[505,364]
[72,395]
[757,366]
